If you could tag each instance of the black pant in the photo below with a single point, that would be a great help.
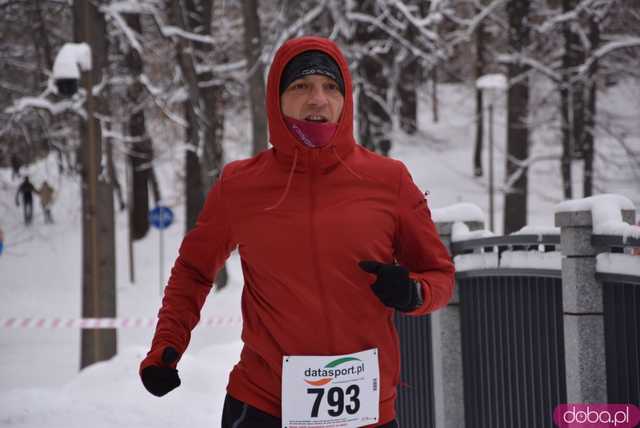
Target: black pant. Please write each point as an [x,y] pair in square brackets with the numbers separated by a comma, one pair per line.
[27,207]
[237,414]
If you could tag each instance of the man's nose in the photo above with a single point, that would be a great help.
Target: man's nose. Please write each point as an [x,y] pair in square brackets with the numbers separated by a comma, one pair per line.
[318,97]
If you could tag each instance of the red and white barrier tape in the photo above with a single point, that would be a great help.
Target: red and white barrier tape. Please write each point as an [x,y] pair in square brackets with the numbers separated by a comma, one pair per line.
[218,321]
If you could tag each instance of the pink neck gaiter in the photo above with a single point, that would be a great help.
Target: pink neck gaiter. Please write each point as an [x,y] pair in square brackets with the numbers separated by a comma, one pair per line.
[311,134]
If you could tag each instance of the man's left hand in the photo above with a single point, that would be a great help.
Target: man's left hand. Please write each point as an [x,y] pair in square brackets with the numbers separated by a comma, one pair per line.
[393,286]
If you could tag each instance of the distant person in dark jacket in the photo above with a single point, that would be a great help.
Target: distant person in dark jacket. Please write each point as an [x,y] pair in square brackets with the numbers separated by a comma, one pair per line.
[15,166]
[26,189]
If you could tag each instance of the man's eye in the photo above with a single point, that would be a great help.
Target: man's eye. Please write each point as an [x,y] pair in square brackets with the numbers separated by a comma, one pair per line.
[332,86]
[299,86]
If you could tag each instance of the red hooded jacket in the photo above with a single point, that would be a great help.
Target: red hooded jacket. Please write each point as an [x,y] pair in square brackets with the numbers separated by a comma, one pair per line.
[302,218]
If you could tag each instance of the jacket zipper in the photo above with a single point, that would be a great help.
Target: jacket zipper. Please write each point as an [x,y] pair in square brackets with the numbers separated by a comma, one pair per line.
[314,254]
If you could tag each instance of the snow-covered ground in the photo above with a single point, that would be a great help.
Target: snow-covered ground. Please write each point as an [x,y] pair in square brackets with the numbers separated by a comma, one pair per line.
[40,384]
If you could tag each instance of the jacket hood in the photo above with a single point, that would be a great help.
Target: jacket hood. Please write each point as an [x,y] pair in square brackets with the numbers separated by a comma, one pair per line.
[286,145]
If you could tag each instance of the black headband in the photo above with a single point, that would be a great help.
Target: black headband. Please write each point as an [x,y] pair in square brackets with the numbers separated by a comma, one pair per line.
[311,62]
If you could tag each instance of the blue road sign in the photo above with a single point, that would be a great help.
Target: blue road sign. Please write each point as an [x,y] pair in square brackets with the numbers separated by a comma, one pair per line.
[161,217]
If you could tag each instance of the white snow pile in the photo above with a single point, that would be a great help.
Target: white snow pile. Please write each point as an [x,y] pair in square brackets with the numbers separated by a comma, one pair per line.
[606,214]
[111,394]
[465,262]
[72,58]
[462,212]
[492,81]
[509,259]
[538,230]
[622,264]
[531,260]
[460,232]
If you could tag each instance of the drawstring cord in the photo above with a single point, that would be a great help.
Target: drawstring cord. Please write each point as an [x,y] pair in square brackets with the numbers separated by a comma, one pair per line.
[293,167]
[335,152]
[286,189]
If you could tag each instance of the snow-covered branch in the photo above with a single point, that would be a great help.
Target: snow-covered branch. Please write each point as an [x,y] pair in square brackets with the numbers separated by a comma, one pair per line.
[473,23]
[377,22]
[173,31]
[115,13]
[532,63]
[22,104]
[419,23]
[293,29]
[523,165]
[607,48]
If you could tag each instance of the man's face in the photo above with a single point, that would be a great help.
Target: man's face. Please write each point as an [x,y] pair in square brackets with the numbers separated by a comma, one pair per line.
[315,98]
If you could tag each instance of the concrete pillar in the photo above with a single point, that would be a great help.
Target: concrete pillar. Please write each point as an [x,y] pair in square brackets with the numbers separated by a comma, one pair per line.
[582,305]
[447,350]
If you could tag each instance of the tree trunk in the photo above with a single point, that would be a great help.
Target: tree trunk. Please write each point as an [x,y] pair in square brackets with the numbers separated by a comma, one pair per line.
[98,237]
[41,35]
[193,175]
[255,69]
[204,112]
[573,57]
[565,84]
[374,118]
[140,150]
[434,93]
[407,95]
[515,213]
[477,155]
[407,87]
[588,148]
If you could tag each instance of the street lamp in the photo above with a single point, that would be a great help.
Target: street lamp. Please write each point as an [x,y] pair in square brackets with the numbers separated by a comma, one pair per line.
[491,83]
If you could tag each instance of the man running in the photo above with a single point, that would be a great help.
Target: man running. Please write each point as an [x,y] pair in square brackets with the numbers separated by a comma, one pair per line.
[333,240]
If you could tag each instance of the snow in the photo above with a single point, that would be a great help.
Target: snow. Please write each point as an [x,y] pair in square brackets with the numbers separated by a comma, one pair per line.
[460,232]
[109,394]
[606,214]
[492,81]
[538,230]
[54,108]
[623,264]
[463,211]
[72,58]
[509,259]
[465,262]
[531,259]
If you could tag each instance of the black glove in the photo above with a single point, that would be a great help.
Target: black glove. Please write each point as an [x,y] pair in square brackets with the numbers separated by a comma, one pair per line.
[393,285]
[159,380]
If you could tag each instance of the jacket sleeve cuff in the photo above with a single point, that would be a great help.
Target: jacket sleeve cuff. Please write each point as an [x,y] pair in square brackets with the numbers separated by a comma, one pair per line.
[426,296]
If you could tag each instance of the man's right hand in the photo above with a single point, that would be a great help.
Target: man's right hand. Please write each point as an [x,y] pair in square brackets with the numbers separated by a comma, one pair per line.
[160,379]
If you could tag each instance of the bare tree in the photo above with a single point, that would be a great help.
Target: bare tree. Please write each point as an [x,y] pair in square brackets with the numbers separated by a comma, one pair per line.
[255,71]
[98,287]
[141,147]
[204,110]
[515,204]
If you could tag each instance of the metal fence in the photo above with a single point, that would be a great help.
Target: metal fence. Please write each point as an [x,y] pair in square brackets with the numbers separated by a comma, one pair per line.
[512,338]
[503,333]
[621,298]
[415,406]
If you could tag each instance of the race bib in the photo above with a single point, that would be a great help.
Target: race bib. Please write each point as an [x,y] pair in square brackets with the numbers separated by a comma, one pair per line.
[335,391]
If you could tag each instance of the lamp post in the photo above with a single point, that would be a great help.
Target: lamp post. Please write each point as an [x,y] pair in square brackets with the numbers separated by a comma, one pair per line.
[492,83]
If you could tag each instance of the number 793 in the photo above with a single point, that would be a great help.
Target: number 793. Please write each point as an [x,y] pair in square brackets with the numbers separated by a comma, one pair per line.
[336,400]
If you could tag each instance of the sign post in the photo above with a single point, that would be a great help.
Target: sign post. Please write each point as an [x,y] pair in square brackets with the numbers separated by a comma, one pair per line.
[161,217]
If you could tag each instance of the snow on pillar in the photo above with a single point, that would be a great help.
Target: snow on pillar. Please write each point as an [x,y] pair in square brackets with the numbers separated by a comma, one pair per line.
[582,301]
